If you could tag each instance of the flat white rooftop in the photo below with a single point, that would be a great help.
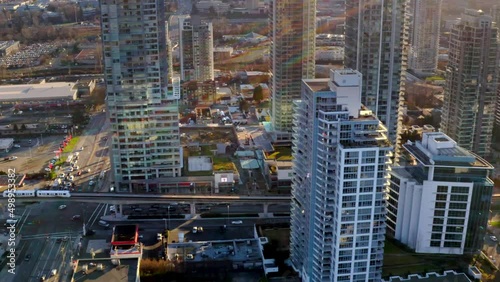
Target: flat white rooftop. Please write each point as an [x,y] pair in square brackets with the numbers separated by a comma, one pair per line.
[38,91]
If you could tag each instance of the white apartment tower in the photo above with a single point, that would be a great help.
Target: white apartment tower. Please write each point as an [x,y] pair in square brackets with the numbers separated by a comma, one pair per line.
[376,44]
[196,49]
[341,158]
[143,113]
[471,83]
[440,204]
[292,27]
[424,35]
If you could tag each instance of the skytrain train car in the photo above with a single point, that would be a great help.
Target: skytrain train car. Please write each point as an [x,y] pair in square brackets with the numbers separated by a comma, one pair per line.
[20,193]
[53,194]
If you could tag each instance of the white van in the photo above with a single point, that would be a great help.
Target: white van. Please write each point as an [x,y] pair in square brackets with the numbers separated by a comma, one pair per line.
[103,223]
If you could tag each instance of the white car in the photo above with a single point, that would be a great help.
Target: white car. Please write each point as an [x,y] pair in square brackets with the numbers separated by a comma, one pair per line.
[71,178]
[17,146]
[47,169]
[493,238]
[112,208]
[62,207]
[62,175]
[237,222]
[91,182]
[77,153]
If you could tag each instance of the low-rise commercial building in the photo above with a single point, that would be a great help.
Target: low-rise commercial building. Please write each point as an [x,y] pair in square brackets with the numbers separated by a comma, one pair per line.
[32,94]
[105,270]
[8,47]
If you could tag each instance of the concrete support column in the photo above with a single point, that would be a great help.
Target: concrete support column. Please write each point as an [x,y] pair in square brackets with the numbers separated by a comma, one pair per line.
[266,207]
[192,209]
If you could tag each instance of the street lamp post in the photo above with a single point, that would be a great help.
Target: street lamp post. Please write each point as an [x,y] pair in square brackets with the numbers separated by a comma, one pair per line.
[168,213]
[165,223]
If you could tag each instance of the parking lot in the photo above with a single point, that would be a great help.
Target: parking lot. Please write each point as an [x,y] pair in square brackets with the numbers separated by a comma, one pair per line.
[30,154]
[29,56]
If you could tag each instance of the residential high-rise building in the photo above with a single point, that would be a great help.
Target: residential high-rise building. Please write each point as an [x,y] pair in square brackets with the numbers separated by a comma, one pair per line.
[143,113]
[441,203]
[376,39]
[495,13]
[292,27]
[424,34]
[471,83]
[341,158]
[170,63]
[196,49]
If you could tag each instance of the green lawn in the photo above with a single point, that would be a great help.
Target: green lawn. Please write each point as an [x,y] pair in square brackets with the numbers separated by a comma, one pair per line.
[222,163]
[400,262]
[71,145]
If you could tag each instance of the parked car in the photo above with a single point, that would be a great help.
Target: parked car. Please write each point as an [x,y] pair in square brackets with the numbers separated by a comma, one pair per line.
[27,257]
[62,207]
[12,158]
[493,238]
[76,217]
[17,146]
[237,222]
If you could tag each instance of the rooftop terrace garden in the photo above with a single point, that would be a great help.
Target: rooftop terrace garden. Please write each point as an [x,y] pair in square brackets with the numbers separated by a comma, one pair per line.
[280,153]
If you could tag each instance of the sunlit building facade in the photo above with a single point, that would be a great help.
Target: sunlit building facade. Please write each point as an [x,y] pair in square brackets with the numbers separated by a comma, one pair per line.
[142,111]
[339,184]
[471,83]
[424,35]
[292,27]
[376,44]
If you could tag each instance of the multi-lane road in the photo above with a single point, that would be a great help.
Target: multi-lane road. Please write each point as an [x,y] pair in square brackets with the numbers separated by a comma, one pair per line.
[94,155]
[48,238]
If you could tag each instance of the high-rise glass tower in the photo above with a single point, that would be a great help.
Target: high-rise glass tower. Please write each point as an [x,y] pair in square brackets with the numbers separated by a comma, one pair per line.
[292,27]
[341,158]
[143,113]
[376,40]
[196,49]
[471,82]
[424,35]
